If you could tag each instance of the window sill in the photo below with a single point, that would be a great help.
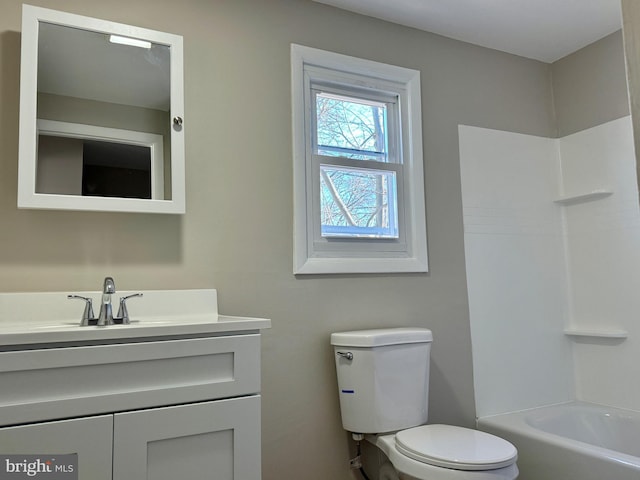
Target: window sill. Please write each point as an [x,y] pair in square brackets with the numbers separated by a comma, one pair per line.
[320,266]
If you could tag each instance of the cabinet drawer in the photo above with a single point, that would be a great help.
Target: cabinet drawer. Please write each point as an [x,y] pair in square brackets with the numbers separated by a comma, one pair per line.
[77,381]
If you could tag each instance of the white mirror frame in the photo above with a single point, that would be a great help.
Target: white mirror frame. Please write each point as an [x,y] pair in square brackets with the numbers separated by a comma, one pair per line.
[27,156]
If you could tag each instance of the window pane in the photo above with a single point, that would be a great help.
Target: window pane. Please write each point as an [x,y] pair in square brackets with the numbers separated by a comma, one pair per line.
[358,202]
[351,127]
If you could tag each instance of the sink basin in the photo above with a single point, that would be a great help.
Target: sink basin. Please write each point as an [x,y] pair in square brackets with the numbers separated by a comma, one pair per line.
[49,317]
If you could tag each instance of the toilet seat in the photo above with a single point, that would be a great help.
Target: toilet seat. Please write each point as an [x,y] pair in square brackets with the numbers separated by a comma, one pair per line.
[455,447]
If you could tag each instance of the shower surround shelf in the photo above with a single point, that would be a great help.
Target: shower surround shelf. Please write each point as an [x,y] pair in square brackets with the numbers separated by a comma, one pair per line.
[613,334]
[583,197]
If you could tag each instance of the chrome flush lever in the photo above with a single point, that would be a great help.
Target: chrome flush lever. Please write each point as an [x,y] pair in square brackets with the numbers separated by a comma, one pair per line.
[347,355]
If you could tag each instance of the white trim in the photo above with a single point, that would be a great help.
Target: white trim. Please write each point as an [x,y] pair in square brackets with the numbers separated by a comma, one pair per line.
[27,198]
[406,83]
[360,265]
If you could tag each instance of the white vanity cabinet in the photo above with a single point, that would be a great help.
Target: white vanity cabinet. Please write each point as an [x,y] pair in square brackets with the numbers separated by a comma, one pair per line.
[156,409]
[90,438]
[219,439]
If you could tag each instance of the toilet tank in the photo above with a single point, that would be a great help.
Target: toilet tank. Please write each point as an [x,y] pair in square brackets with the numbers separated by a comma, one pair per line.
[383,378]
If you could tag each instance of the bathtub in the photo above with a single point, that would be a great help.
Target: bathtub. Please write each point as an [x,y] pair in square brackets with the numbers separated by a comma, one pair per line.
[572,441]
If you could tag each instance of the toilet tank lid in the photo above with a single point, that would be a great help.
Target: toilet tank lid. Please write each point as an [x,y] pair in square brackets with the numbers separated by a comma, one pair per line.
[381,336]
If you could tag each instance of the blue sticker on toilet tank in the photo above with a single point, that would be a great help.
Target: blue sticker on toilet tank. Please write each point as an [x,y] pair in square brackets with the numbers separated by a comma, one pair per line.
[348,391]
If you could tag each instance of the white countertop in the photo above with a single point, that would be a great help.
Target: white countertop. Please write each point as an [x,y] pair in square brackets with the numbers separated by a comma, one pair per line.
[49,317]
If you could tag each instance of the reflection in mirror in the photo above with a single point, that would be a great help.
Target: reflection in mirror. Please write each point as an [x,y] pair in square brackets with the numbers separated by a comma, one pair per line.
[70,156]
[100,115]
[76,166]
[103,177]
[87,78]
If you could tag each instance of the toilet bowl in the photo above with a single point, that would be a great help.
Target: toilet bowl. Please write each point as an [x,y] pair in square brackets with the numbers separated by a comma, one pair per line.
[383,383]
[445,452]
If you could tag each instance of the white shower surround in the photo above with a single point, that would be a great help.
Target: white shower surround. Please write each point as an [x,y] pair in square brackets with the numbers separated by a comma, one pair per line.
[536,268]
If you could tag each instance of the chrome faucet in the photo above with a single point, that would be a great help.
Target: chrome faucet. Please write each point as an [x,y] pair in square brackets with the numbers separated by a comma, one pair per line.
[106,311]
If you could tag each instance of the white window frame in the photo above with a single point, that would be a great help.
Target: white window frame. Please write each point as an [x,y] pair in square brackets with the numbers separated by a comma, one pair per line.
[314,254]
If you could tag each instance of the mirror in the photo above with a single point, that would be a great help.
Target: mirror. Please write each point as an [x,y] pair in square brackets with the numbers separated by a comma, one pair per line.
[101,116]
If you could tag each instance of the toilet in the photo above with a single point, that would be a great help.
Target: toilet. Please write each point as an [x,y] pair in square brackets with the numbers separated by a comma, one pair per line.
[383,383]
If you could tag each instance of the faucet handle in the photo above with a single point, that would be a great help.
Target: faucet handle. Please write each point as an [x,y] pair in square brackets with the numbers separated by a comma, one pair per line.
[88,314]
[123,312]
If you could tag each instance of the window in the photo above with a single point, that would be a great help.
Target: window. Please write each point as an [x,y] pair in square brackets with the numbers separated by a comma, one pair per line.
[358,177]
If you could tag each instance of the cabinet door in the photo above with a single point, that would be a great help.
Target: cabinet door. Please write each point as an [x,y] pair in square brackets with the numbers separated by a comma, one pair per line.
[90,438]
[217,440]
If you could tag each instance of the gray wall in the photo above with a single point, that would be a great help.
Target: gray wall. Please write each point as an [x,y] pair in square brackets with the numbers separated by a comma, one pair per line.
[237,233]
[590,86]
